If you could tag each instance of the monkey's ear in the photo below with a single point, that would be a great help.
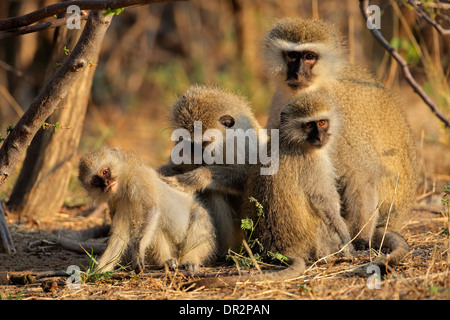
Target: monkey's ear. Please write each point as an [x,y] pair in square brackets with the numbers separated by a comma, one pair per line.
[227,121]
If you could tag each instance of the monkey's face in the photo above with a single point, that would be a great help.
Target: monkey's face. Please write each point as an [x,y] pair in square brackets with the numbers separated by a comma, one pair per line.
[103,181]
[316,132]
[99,172]
[300,52]
[299,67]
[298,135]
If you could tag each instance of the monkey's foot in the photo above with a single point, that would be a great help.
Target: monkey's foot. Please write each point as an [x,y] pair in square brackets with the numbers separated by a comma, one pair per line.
[172,264]
[190,266]
[361,244]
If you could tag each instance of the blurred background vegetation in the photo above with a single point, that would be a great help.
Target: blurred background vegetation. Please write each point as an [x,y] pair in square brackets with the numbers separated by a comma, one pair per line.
[151,54]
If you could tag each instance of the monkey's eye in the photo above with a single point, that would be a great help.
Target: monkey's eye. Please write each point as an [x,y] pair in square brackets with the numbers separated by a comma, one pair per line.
[310,56]
[227,121]
[308,126]
[106,172]
[292,55]
[322,123]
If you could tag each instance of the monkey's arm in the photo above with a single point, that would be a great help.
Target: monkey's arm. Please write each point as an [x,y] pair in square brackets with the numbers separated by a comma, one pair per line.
[227,179]
[327,206]
[170,169]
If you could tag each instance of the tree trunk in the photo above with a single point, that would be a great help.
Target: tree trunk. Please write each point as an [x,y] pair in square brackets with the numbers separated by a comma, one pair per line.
[43,180]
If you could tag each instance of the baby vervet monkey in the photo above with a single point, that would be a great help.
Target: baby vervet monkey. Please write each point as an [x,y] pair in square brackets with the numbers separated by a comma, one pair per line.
[301,202]
[219,136]
[148,215]
[376,156]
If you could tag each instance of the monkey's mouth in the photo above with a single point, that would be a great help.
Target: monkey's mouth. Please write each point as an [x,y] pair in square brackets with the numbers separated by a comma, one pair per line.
[294,84]
[110,188]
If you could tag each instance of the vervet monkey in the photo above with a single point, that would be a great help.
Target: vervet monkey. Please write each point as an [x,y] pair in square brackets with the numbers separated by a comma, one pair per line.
[220,185]
[147,214]
[375,157]
[300,202]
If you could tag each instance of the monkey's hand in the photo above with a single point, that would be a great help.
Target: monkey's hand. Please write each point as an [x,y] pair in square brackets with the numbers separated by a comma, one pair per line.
[348,249]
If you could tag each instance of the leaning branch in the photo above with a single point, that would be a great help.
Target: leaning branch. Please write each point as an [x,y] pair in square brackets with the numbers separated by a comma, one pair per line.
[404,66]
[54,91]
[55,9]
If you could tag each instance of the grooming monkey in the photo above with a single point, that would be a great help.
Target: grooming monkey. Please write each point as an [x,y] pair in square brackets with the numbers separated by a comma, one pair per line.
[219,186]
[375,157]
[300,202]
[147,214]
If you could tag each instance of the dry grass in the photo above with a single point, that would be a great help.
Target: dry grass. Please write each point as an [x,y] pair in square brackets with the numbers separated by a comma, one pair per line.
[423,274]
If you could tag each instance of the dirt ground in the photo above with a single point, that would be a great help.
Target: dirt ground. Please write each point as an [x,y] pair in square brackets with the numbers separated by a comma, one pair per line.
[423,274]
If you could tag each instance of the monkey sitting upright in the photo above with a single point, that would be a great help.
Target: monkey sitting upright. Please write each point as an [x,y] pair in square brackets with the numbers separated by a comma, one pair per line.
[301,202]
[376,159]
[146,214]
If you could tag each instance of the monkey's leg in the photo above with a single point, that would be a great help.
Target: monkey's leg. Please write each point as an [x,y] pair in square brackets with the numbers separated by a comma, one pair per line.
[162,251]
[199,245]
[360,210]
[222,215]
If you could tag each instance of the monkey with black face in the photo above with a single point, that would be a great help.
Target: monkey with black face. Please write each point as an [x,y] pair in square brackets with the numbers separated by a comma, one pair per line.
[147,214]
[301,202]
[376,157]
[219,186]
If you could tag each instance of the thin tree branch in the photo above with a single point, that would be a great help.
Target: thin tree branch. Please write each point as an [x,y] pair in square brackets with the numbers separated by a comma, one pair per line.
[434,24]
[55,9]
[38,27]
[16,72]
[55,90]
[404,66]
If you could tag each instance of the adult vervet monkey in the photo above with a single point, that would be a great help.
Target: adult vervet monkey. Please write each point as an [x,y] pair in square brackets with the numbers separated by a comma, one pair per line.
[375,156]
[220,186]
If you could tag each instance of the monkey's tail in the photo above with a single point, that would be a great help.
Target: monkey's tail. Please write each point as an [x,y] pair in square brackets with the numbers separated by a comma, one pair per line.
[290,272]
[89,239]
[394,242]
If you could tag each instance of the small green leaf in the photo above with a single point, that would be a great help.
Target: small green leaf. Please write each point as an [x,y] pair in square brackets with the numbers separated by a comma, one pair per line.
[9,129]
[277,256]
[66,51]
[258,206]
[113,11]
[246,224]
